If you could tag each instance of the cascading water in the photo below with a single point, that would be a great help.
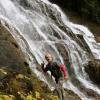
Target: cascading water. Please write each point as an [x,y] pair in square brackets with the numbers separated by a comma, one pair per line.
[40,27]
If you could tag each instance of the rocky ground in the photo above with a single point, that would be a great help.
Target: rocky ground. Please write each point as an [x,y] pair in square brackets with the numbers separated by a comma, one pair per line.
[17,82]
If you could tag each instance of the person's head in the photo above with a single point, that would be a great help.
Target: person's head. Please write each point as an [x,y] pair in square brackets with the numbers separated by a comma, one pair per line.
[49,57]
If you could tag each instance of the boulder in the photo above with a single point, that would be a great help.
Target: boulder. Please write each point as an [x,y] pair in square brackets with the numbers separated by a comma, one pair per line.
[93,69]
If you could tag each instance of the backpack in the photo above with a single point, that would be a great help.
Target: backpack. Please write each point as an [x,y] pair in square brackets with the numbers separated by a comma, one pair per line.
[63,69]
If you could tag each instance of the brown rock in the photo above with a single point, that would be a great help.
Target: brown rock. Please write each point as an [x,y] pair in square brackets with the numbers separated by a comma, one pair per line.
[93,69]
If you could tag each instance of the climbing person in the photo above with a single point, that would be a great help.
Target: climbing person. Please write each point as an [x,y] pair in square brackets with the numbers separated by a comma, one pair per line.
[58,71]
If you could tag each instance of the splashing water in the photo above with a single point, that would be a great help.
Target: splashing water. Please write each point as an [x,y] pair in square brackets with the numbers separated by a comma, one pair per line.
[40,27]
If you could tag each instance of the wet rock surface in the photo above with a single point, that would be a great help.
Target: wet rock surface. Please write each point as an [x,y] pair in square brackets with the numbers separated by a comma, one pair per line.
[76,18]
[17,82]
[85,9]
[93,69]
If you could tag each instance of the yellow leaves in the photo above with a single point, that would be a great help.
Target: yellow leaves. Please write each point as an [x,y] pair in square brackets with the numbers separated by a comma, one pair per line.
[19,76]
[30,97]
[38,96]
[22,95]
[7,97]
[52,97]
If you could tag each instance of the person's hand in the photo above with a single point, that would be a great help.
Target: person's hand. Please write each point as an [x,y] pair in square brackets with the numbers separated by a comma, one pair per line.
[42,65]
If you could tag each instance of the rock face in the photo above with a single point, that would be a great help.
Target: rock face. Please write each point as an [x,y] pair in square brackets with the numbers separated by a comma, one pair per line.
[17,82]
[11,57]
[16,79]
[93,69]
[85,8]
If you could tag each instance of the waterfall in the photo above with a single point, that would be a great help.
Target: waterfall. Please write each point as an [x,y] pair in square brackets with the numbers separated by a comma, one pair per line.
[40,27]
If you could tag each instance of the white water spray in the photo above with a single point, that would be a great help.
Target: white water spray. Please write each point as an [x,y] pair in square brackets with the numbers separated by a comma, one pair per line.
[41,25]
